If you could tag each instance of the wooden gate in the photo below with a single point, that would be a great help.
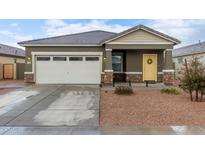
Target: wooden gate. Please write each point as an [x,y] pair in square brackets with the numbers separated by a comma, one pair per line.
[8,71]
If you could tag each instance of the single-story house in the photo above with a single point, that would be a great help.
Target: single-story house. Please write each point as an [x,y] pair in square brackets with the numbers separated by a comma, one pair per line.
[137,54]
[12,62]
[187,52]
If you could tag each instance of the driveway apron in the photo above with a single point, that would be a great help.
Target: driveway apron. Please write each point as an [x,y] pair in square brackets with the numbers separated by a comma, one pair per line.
[51,105]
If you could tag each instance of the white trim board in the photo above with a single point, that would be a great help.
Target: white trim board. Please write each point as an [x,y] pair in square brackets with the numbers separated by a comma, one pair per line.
[28,72]
[133,72]
[61,45]
[67,53]
[168,70]
[108,70]
[138,43]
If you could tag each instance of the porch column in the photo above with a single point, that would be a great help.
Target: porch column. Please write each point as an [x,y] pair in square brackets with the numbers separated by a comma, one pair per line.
[29,67]
[108,72]
[168,70]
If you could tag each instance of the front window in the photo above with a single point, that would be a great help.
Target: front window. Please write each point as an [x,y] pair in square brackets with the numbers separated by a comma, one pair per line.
[117,62]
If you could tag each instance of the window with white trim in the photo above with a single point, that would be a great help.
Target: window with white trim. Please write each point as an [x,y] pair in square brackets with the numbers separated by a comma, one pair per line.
[117,62]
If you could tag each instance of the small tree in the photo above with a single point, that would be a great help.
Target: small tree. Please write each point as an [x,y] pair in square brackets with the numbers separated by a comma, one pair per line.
[193,78]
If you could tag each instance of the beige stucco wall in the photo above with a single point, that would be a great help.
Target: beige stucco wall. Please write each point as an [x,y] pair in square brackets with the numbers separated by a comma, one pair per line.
[179,66]
[9,60]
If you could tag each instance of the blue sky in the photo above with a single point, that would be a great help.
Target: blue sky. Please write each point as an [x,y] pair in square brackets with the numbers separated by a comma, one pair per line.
[13,31]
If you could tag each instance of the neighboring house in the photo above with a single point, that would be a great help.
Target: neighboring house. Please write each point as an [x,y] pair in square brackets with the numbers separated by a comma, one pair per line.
[12,62]
[187,52]
[137,54]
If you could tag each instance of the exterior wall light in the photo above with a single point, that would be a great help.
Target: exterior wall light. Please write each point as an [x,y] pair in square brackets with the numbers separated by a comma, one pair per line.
[15,60]
[28,60]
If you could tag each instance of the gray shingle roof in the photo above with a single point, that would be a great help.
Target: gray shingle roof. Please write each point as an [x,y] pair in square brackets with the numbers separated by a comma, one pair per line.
[11,51]
[189,50]
[97,37]
[91,37]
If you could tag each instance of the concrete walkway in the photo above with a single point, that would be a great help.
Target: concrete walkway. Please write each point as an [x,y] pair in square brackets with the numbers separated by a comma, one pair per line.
[50,105]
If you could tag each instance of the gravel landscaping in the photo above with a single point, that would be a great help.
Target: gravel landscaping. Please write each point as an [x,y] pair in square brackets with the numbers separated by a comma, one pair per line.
[149,107]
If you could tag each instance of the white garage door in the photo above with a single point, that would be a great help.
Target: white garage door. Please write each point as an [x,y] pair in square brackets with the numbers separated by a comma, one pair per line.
[68,69]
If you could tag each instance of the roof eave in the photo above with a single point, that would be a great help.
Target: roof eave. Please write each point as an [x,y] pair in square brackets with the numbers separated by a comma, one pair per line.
[189,54]
[63,45]
[15,56]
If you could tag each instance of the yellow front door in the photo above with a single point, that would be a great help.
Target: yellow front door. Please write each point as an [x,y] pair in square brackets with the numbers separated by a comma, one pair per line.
[150,67]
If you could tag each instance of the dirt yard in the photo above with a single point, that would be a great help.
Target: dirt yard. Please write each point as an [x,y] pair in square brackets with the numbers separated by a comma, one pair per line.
[150,108]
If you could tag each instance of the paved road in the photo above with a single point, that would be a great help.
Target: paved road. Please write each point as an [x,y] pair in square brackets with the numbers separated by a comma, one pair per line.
[48,105]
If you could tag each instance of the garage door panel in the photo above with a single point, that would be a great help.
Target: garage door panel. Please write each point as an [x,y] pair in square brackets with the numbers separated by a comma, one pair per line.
[68,72]
[84,72]
[50,72]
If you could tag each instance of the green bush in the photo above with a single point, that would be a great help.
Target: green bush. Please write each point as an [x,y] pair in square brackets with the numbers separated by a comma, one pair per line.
[193,78]
[123,90]
[171,90]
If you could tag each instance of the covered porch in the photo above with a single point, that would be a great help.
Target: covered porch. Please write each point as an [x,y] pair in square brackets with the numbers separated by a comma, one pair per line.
[139,54]
[150,63]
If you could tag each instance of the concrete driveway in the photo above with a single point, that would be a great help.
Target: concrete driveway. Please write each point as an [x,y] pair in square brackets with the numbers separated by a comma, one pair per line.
[50,106]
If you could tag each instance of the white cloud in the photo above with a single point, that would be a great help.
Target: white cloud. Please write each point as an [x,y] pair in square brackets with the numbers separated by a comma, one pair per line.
[17,37]
[14,44]
[55,23]
[59,27]
[188,31]
[12,38]
[23,37]
[6,32]
[14,25]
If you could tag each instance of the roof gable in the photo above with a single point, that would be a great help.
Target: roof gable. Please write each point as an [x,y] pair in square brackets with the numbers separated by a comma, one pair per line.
[141,34]
[140,37]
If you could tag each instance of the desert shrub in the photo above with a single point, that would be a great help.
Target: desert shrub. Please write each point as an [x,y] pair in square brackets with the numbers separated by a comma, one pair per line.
[170,90]
[193,78]
[123,90]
